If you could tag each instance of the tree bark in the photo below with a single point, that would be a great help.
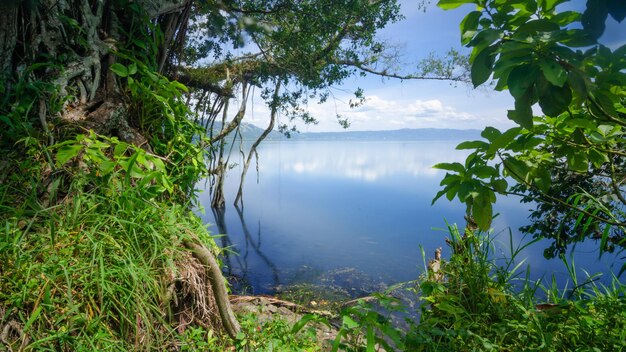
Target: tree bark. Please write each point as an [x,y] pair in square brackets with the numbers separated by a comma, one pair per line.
[8,37]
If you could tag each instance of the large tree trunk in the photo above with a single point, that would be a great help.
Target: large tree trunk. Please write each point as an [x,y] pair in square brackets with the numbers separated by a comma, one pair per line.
[8,37]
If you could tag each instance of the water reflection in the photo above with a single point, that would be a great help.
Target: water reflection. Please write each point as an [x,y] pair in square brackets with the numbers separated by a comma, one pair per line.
[317,207]
[359,160]
[236,257]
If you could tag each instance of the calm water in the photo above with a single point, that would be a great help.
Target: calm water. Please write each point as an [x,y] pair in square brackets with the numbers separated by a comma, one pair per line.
[327,206]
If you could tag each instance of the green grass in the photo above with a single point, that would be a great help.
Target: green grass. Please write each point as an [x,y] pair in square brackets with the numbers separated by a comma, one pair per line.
[93,273]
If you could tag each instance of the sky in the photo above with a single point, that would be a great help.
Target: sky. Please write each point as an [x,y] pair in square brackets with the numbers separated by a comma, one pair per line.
[393,104]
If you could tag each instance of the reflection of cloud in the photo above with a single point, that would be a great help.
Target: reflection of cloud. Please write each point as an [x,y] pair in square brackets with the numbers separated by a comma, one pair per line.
[365,161]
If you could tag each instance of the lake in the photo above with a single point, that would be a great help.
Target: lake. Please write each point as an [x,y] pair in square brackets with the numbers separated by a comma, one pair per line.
[321,208]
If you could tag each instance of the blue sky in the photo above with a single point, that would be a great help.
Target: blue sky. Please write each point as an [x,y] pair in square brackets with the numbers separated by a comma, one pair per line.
[393,104]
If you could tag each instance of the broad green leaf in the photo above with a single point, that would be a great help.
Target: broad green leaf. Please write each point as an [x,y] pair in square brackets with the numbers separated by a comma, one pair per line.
[465,188]
[450,309]
[106,167]
[67,152]
[594,17]
[469,25]
[482,40]
[553,72]
[484,171]
[349,322]
[577,161]
[566,17]
[554,100]
[480,145]
[500,185]
[579,87]
[452,4]
[581,123]
[521,79]
[534,26]
[483,65]
[523,116]
[120,149]
[597,158]
[607,130]
[450,179]
[132,69]
[456,167]
[439,195]
[543,180]
[504,139]
[617,9]
[490,133]
[516,169]
[119,69]
[548,5]
[452,191]
[482,210]
[577,38]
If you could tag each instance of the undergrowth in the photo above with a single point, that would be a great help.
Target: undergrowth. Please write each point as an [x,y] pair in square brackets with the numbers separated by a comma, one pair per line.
[478,302]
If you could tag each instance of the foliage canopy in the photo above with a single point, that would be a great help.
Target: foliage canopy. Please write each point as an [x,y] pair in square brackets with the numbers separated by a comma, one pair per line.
[571,159]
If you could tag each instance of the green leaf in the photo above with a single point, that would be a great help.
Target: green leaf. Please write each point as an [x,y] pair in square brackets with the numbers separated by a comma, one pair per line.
[483,66]
[522,115]
[534,26]
[504,139]
[106,167]
[517,169]
[500,185]
[577,160]
[521,79]
[554,100]
[594,17]
[566,17]
[482,40]
[132,69]
[553,72]
[597,158]
[617,9]
[543,180]
[469,25]
[579,87]
[119,69]
[349,322]
[484,171]
[548,5]
[452,4]
[67,152]
[481,145]
[456,167]
[120,149]
[482,210]
[490,133]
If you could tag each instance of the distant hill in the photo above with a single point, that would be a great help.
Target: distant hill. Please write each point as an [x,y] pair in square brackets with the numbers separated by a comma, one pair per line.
[251,132]
[395,135]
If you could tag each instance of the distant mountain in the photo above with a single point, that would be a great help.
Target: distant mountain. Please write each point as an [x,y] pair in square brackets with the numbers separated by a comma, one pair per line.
[395,135]
[251,133]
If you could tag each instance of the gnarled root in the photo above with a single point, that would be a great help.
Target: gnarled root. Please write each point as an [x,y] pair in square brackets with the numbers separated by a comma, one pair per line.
[204,256]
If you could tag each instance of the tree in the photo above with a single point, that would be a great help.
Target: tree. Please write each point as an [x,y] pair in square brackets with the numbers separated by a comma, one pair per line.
[570,161]
[95,107]
[292,60]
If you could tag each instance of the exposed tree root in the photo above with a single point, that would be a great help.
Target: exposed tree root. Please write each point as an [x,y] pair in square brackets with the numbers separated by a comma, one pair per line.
[214,274]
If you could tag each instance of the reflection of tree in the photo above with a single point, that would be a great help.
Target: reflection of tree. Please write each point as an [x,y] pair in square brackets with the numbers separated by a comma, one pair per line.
[257,246]
[242,257]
